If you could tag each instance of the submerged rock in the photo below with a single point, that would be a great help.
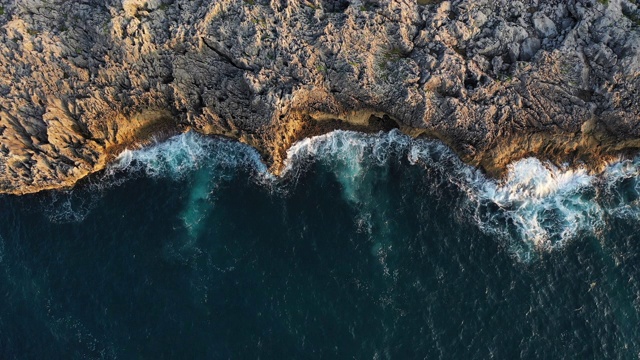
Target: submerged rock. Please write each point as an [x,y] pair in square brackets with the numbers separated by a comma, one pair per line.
[496,80]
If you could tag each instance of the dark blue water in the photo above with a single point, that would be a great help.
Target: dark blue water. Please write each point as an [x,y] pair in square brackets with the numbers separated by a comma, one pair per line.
[368,247]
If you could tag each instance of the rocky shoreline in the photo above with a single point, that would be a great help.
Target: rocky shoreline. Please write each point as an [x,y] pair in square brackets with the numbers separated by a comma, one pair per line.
[495,80]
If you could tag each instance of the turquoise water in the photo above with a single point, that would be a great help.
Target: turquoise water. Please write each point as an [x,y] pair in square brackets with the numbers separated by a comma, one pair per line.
[369,246]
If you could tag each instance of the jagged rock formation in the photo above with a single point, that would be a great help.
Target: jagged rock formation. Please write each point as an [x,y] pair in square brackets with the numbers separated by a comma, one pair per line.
[496,80]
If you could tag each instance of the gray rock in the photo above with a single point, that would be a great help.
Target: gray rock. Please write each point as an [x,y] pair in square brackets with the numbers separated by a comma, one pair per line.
[544,26]
[529,48]
[82,80]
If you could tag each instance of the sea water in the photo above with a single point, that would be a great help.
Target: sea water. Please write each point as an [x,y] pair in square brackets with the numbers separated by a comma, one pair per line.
[367,247]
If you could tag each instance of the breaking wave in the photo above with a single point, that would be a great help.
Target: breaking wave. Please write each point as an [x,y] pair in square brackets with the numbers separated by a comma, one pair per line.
[209,162]
[537,207]
[187,152]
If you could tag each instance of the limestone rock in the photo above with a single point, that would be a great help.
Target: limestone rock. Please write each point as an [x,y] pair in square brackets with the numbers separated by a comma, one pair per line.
[496,80]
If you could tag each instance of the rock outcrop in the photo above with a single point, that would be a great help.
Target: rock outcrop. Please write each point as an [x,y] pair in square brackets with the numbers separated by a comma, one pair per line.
[496,80]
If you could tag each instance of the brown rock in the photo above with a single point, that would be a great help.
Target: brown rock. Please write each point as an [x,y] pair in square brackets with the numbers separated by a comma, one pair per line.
[82,80]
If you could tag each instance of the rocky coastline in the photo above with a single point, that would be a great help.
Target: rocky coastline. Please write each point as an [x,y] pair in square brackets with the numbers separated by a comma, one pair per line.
[495,80]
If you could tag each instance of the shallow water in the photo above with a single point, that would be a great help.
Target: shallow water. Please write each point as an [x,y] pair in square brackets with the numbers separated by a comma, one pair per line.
[370,246]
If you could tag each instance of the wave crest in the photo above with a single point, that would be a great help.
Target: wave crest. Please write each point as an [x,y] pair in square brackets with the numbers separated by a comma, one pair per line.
[544,205]
[184,153]
[536,207]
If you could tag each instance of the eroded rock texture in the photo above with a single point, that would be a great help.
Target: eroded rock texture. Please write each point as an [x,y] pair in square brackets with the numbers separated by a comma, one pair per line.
[496,80]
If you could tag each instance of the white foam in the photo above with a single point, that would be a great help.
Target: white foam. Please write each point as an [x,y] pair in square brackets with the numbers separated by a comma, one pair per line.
[536,207]
[72,206]
[538,204]
[181,154]
[546,206]
[621,189]
[206,162]
[350,154]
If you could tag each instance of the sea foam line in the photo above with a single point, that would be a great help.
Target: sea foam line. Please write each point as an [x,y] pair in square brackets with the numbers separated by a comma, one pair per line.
[536,207]
[539,204]
[186,152]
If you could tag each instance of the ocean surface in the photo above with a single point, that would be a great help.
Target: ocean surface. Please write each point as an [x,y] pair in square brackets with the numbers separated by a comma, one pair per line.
[368,247]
